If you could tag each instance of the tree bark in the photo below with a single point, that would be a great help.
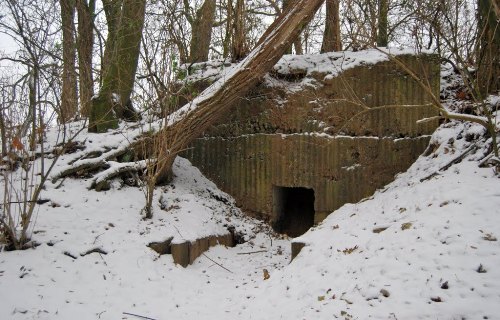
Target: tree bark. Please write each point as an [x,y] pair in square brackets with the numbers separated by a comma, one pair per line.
[112,11]
[202,32]
[331,37]
[85,45]
[113,101]
[489,46]
[3,132]
[193,119]
[239,49]
[382,24]
[69,95]
[297,42]
[227,47]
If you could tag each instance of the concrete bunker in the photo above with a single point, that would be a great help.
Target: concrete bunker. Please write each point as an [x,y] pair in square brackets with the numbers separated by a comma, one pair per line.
[293,209]
[325,139]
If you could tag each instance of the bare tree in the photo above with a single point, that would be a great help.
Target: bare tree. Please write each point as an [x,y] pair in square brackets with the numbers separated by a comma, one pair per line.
[489,46]
[31,25]
[297,43]
[239,48]
[382,25]
[332,37]
[69,99]
[201,22]
[121,58]
[85,44]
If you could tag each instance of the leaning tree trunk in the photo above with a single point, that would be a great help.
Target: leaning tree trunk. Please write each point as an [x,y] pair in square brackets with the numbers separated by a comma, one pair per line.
[331,37]
[190,121]
[69,96]
[113,101]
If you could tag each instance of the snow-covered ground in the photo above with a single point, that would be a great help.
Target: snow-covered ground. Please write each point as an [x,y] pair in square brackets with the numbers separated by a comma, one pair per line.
[424,247]
[414,250]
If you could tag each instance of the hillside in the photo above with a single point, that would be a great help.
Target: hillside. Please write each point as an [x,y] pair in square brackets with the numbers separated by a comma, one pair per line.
[424,247]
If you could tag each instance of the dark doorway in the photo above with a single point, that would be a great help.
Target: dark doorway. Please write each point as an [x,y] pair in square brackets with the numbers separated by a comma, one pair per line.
[293,209]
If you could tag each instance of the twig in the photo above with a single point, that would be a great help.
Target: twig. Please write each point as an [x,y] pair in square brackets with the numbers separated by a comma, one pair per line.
[66,253]
[39,201]
[260,251]
[138,316]
[220,265]
[97,238]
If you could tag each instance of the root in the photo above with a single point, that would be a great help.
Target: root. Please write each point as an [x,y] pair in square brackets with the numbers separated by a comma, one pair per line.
[102,164]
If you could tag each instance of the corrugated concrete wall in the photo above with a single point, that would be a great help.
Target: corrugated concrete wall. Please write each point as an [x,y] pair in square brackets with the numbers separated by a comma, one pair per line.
[372,100]
[335,138]
[340,170]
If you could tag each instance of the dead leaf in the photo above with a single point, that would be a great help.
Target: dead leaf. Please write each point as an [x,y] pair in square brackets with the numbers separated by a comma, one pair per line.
[349,250]
[406,225]
[17,144]
[489,237]
[266,274]
[379,229]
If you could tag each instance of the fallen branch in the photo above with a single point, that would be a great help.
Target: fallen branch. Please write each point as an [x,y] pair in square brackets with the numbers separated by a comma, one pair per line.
[67,253]
[452,162]
[116,168]
[253,252]
[220,265]
[138,316]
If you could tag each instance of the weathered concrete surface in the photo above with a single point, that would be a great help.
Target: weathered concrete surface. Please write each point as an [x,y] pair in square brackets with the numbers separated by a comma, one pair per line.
[344,137]
[340,169]
[348,104]
[185,253]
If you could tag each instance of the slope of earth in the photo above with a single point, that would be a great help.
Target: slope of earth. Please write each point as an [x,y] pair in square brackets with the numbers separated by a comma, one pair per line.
[424,247]
[59,279]
[414,250]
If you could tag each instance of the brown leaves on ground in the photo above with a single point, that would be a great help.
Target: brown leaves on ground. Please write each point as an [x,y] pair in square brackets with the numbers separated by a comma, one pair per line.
[349,250]
[266,274]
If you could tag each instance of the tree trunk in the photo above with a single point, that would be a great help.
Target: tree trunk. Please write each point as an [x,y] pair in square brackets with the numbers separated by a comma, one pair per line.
[193,119]
[331,37]
[229,27]
[382,25]
[69,96]
[33,99]
[3,132]
[113,102]
[112,11]
[202,32]
[489,46]
[239,49]
[85,45]
[297,42]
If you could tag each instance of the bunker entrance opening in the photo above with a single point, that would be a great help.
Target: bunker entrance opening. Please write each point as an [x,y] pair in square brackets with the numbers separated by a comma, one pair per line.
[293,210]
